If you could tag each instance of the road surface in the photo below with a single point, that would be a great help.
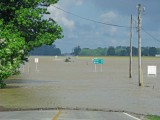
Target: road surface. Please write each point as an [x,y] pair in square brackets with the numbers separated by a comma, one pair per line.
[65,115]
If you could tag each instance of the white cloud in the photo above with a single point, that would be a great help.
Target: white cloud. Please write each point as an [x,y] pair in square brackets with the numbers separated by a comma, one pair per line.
[70,3]
[109,17]
[61,17]
[79,2]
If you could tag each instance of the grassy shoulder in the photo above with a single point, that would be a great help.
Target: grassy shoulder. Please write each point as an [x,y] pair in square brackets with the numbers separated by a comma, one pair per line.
[153,117]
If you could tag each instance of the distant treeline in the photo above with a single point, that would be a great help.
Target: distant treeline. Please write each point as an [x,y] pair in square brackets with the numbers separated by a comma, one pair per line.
[115,51]
[110,51]
[46,50]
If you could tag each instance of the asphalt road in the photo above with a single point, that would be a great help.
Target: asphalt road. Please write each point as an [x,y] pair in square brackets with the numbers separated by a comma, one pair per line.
[65,115]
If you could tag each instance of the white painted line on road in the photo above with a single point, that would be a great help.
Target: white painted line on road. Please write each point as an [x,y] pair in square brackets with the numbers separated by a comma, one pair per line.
[131,116]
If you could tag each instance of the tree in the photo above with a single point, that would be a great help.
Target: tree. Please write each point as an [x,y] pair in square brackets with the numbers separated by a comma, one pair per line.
[85,52]
[111,51]
[121,51]
[11,51]
[101,51]
[46,50]
[158,50]
[145,51]
[26,18]
[77,50]
[134,51]
[152,51]
[128,51]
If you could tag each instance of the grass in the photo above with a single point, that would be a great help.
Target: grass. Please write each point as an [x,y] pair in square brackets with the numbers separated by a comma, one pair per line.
[153,117]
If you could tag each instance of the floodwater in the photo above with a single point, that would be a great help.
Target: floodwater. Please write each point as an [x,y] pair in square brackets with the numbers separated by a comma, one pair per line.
[53,83]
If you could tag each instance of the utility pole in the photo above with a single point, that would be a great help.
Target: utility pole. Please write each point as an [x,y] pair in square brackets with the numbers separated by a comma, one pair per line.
[130,62]
[139,45]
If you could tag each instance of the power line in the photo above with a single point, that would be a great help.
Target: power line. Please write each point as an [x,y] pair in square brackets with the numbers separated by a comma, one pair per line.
[108,24]
[99,22]
[149,34]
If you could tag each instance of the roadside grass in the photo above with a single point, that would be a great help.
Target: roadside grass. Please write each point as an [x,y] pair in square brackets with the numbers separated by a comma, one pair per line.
[153,117]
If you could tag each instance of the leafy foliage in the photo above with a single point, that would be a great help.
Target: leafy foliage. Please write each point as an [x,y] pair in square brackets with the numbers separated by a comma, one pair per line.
[46,50]
[93,52]
[111,51]
[76,51]
[22,28]
[152,51]
[11,51]
[119,51]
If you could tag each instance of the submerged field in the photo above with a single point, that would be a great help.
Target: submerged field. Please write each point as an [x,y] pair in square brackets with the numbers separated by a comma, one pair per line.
[54,83]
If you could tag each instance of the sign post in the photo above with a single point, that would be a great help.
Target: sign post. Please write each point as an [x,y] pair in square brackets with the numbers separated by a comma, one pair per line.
[101,67]
[28,67]
[36,61]
[97,61]
[95,68]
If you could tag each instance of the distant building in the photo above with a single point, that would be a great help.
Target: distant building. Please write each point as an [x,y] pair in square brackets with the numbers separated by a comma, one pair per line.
[157,55]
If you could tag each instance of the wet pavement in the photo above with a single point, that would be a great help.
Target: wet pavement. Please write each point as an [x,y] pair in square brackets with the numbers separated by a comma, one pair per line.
[75,85]
[65,115]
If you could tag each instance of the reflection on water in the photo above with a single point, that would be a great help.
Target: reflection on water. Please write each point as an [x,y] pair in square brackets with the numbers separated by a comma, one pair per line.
[24,94]
[22,81]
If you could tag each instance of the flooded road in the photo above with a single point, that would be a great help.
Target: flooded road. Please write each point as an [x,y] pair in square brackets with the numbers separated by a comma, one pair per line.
[75,85]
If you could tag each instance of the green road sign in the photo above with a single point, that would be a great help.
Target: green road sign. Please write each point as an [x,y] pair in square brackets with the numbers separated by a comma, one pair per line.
[98,61]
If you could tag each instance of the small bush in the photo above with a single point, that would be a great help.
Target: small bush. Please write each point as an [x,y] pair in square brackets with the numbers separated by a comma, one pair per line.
[2,84]
[68,59]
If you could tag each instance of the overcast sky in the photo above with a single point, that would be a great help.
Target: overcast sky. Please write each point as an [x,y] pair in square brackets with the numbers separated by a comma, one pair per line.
[88,34]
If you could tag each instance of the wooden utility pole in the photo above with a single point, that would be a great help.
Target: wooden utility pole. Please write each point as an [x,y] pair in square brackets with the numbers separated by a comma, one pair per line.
[130,62]
[139,45]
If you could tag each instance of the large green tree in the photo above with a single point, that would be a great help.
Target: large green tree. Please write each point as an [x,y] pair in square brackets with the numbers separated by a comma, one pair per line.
[111,51]
[23,27]
[152,51]
[77,50]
